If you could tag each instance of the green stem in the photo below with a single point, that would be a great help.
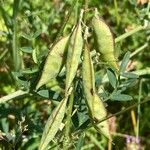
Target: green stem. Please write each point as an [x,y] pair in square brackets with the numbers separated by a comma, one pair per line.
[138,109]
[16,54]
[3,54]
[68,122]
[139,50]
[125,35]
[14,95]
[145,71]
[116,12]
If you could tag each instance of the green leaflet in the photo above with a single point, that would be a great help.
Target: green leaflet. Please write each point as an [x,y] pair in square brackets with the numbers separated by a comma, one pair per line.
[104,41]
[95,105]
[53,124]
[73,55]
[53,62]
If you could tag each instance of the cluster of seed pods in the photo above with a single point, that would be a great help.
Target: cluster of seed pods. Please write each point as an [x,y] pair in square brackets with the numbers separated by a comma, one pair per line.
[71,47]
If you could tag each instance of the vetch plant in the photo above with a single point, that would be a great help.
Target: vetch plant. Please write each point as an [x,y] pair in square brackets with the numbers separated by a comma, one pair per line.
[95,105]
[69,78]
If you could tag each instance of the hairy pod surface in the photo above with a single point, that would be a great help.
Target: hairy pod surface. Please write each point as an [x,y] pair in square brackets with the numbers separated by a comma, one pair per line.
[54,62]
[95,105]
[53,124]
[104,41]
[73,54]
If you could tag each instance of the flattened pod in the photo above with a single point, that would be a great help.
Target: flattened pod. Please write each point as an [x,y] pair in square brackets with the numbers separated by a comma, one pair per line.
[53,62]
[88,76]
[73,55]
[104,41]
[53,124]
[95,105]
[98,113]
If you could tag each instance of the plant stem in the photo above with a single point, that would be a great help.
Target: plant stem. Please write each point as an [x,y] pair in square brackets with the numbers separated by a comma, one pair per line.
[134,122]
[138,109]
[116,12]
[125,35]
[16,54]
[145,71]
[14,95]
[3,54]
[139,50]
[68,122]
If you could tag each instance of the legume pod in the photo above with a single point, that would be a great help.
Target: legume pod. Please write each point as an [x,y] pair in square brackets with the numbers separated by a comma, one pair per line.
[98,113]
[104,41]
[52,125]
[88,76]
[73,55]
[95,105]
[53,62]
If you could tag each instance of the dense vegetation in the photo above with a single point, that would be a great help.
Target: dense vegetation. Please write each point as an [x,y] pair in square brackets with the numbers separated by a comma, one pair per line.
[29,30]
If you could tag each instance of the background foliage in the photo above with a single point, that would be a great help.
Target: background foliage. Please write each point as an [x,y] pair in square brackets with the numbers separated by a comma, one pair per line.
[27,29]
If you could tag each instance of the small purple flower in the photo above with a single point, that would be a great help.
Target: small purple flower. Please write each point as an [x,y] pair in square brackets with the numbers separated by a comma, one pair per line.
[128,139]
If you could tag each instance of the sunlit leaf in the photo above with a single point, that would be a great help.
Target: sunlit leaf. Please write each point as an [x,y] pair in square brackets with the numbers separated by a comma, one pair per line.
[117,96]
[112,78]
[26,49]
[36,34]
[124,62]
[80,142]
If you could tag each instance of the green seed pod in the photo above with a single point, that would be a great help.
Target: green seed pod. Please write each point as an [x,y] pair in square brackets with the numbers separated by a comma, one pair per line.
[104,41]
[73,55]
[52,125]
[88,76]
[98,113]
[54,62]
[95,105]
